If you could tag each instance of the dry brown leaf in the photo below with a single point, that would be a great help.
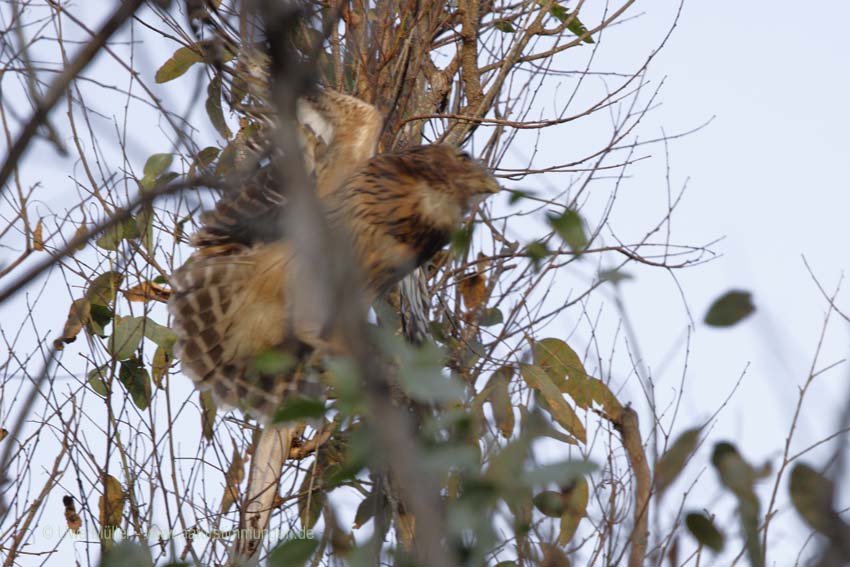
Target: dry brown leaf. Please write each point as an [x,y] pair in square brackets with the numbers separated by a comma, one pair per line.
[3,433]
[71,517]
[473,288]
[38,236]
[406,528]
[78,315]
[232,479]
[148,291]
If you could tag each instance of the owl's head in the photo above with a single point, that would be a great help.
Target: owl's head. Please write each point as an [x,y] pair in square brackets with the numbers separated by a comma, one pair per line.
[452,182]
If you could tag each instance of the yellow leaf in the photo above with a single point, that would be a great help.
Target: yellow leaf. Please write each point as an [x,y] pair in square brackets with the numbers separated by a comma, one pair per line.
[232,479]
[555,402]
[111,503]
[177,64]
[37,236]
[161,363]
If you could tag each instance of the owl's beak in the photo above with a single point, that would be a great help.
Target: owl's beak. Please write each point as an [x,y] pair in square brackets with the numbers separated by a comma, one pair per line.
[490,186]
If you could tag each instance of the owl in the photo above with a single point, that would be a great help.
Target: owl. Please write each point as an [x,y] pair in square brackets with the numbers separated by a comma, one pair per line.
[234,301]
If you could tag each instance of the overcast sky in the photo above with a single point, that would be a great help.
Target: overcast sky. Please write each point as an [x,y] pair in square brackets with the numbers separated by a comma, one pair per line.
[769,173]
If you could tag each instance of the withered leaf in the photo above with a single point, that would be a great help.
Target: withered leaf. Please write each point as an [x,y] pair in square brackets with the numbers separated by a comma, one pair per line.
[208,411]
[111,503]
[232,479]
[148,291]
[78,315]
[38,236]
[473,287]
[73,520]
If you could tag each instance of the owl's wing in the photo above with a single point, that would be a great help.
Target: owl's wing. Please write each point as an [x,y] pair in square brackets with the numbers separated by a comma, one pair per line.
[339,134]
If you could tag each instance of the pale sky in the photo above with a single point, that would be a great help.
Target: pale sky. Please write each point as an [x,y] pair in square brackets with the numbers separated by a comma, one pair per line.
[769,173]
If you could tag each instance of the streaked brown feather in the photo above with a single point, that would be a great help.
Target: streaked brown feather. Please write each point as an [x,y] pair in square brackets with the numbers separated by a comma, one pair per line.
[234,300]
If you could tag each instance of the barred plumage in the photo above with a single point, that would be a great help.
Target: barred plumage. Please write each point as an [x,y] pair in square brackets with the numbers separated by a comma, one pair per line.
[233,301]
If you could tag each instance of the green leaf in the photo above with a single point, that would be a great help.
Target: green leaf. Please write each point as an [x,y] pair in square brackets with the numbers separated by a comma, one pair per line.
[126,336]
[504,27]
[365,511]
[156,164]
[517,195]
[97,379]
[135,378]
[126,554]
[159,334]
[461,239]
[739,476]
[704,530]
[562,474]
[298,408]
[155,167]
[536,252]
[491,316]
[110,238]
[273,361]
[421,373]
[177,64]
[293,553]
[614,276]
[575,26]
[550,503]
[310,502]
[576,497]
[207,156]
[213,106]
[730,308]
[100,317]
[674,459]
[557,406]
[812,495]
[558,360]
[500,400]
[570,228]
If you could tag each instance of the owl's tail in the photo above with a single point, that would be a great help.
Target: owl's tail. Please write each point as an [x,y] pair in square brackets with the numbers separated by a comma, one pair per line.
[263,480]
